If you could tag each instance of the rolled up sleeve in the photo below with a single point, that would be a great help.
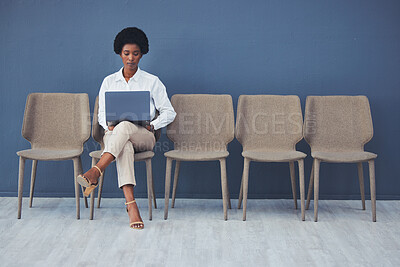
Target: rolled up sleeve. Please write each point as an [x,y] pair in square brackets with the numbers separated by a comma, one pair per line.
[102,109]
[163,105]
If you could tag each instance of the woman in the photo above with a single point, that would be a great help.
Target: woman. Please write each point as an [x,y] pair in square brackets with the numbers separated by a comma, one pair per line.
[124,139]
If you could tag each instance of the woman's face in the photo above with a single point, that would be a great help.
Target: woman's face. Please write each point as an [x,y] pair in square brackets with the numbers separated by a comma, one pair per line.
[131,56]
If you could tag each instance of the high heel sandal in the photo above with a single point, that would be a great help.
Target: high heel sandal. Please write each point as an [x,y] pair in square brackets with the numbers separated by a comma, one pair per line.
[141,224]
[83,181]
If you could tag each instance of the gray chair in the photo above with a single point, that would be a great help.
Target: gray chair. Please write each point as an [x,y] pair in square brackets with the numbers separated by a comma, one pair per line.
[337,128]
[57,125]
[201,131]
[98,134]
[269,127]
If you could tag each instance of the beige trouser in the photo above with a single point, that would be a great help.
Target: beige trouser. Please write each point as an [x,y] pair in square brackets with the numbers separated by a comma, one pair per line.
[122,142]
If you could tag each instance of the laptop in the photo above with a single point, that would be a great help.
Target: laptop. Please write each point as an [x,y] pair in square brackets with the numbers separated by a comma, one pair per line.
[133,106]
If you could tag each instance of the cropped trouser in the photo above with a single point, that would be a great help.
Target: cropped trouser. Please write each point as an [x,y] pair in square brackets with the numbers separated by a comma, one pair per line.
[122,142]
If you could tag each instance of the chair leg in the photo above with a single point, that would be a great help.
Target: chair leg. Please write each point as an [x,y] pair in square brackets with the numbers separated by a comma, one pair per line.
[20,184]
[316,188]
[94,161]
[224,186]
[310,186]
[176,177]
[301,182]
[77,194]
[91,205]
[82,188]
[33,178]
[371,165]
[245,185]
[240,194]
[167,186]
[100,190]
[149,187]
[361,179]
[80,171]
[152,189]
[228,195]
[84,198]
[293,181]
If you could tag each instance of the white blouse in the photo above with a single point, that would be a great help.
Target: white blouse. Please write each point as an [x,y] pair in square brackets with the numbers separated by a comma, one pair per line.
[140,81]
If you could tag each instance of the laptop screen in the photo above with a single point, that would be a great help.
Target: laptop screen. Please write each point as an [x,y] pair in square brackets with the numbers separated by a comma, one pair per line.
[131,106]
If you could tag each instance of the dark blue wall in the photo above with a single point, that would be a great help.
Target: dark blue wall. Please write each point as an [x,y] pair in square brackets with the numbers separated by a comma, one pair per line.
[256,47]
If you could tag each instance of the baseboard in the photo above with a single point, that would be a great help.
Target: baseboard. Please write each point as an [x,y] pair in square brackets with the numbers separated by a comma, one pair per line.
[160,195]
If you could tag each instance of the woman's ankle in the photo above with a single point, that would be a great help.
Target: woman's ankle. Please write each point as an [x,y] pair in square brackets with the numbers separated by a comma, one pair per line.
[93,175]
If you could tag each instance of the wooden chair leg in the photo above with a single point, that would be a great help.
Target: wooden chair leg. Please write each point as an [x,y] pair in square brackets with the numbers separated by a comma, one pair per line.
[302,188]
[293,181]
[77,194]
[20,184]
[149,187]
[361,180]
[152,189]
[100,190]
[176,177]
[83,189]
[92,205]
[371,165]
[167,186]
[310,186]
[94,161]
[240,194]
[316,188]
[228,194]
[245,185]
[224,185]
[33,178]
[84,198]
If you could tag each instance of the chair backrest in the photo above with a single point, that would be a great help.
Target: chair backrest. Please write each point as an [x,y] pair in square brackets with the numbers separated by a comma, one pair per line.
[98,130]
[203,122]
[337,123]
[269,122]
[56,120]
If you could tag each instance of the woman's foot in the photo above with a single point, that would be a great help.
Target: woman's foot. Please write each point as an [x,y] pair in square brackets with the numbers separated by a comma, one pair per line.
[135,220]
[92,175]
[89,180]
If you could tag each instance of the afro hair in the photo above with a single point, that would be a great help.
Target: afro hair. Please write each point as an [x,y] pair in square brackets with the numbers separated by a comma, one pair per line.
[131,35]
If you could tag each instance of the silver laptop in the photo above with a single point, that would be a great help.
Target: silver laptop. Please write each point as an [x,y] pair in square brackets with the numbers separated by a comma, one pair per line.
[133,106]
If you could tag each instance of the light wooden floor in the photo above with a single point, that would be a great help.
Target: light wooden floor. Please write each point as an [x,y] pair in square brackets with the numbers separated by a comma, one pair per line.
[195,234]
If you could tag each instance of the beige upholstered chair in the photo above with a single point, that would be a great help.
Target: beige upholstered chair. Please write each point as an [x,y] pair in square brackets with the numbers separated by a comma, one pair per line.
[337,128]
[203,127]
[269,127]
[97,134]
[56,125]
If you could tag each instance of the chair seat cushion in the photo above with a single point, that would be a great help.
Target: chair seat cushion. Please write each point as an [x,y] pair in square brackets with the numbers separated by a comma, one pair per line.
[273,156]
[138,156]
[49,154]
[196,155]
[346,157]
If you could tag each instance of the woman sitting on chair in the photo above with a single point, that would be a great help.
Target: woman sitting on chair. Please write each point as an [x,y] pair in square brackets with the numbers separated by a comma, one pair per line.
[124,139]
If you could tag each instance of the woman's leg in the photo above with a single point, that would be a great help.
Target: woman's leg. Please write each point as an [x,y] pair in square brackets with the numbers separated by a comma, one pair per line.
[121,143]
[133,210]
[126,181]
[125,163]
[114,142]
[93,174]
[141,138]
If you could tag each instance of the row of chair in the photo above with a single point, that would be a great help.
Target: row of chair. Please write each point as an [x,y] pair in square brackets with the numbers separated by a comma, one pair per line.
[267,126]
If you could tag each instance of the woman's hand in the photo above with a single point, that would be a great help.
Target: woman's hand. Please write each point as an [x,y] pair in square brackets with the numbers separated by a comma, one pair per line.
[150,128]
[110,128]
